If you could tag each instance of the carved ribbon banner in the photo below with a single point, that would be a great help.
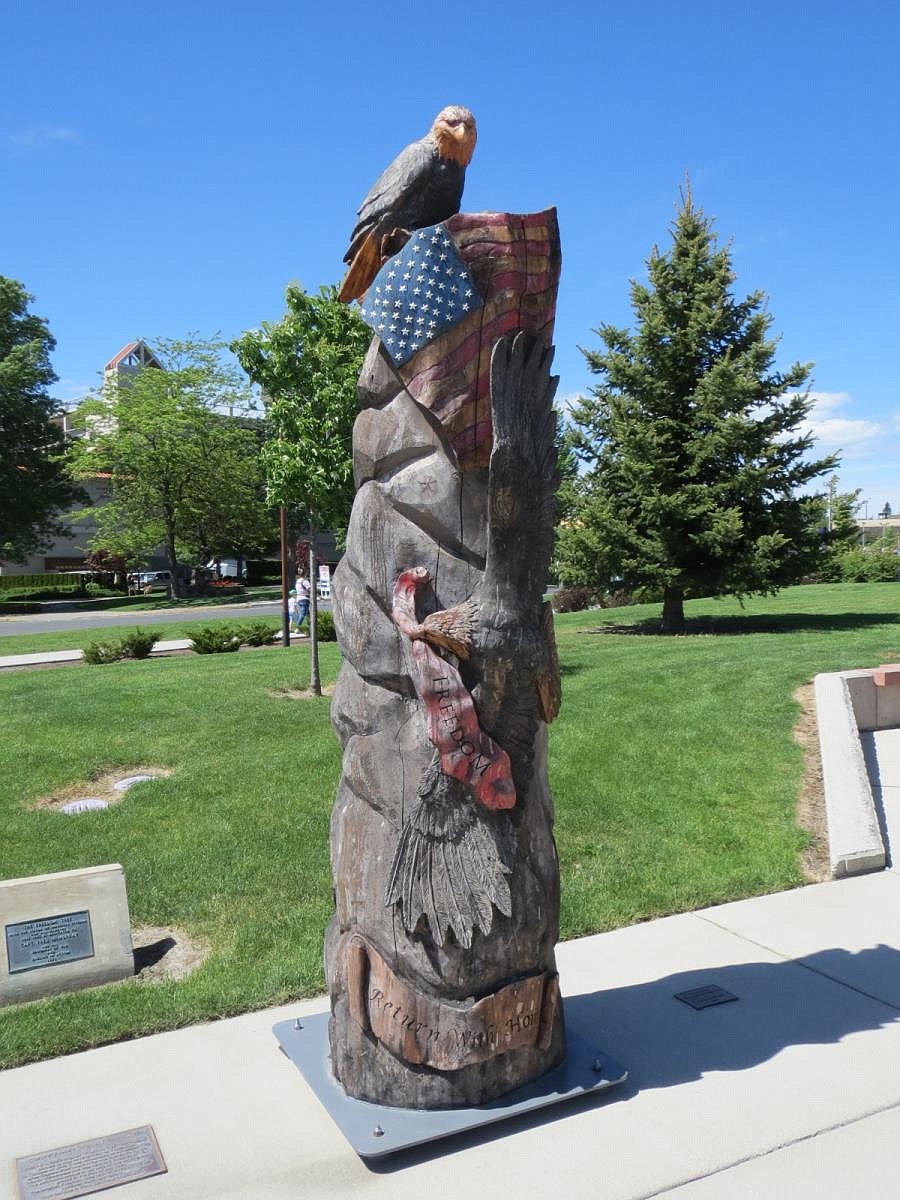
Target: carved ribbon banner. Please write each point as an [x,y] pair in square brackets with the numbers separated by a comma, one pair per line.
[468,753]
[423,1030]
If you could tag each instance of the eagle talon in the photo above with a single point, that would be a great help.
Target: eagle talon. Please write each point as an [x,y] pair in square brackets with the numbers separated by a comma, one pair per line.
[392,243]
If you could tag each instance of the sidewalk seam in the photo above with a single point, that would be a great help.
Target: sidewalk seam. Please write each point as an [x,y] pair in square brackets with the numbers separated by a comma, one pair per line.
[798,1141]
[799,963]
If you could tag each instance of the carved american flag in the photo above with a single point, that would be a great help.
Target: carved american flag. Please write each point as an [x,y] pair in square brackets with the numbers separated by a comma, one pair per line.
[419,294]
[512,264]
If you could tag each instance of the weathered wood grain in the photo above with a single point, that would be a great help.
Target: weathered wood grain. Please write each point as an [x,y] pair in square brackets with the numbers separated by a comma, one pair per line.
[442,907]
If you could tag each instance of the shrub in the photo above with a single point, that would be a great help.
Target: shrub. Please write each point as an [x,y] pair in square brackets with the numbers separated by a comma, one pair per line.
[873,564]
[325,631]
[853,566]
[139,643]
[216,639]
[54,580]
[97,654]
[620,599]
[574,599]
[883,568]
[257,633]
[41,593]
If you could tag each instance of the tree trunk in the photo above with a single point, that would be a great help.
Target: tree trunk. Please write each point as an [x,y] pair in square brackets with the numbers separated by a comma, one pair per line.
[673,610]
[315,683]
[172,561]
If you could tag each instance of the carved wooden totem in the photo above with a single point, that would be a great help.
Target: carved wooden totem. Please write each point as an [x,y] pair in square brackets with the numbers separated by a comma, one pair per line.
[440,955]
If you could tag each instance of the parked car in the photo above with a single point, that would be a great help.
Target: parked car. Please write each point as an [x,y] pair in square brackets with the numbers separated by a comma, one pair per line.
[152,581]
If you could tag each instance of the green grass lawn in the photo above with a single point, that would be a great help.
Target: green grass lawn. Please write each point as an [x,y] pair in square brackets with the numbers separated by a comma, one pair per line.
[672,765]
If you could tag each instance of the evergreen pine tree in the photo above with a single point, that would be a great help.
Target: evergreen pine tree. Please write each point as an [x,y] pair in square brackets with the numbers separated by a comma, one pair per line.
[692,440]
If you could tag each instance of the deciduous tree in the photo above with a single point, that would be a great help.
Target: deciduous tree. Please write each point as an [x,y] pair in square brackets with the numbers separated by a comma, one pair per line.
[184,469]
[692,440]
[307,365]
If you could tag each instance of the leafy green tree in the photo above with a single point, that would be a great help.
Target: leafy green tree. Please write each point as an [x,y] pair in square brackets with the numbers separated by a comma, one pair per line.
[183,469]
[307,365]
[691,440]
[34,484]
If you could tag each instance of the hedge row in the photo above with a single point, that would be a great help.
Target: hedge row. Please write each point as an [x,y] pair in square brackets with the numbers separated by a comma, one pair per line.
[41,579]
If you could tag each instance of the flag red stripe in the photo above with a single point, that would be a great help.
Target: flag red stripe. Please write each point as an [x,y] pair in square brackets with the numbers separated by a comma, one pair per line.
[456,359]
[456,368]
[463,221]
[515,260]
[489,250]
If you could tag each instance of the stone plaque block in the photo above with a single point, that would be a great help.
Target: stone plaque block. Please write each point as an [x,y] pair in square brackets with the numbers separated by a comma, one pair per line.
[63,932]
[88,1167]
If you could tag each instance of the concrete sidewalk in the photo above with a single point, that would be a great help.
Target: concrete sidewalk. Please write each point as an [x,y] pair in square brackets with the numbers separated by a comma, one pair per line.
[51,657]
[792,1090]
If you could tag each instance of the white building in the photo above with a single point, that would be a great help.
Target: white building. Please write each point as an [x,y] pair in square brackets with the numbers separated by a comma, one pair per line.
[871,529]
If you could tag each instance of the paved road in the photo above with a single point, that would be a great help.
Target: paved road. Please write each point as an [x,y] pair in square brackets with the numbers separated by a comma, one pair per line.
[60,622]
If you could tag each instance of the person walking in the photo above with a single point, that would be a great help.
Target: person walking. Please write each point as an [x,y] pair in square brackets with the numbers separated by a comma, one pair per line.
[300,603]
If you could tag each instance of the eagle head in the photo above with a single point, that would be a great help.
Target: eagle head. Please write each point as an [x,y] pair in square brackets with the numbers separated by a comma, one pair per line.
[455,133]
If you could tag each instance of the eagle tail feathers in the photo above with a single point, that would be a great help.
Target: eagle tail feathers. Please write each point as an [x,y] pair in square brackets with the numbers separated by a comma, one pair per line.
[365,265]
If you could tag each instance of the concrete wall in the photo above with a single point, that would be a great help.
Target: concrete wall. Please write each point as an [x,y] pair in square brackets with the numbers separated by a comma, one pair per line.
[74,547]
[848,702]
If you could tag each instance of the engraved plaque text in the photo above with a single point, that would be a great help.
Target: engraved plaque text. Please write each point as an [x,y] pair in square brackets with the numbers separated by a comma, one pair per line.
[49,940]
[92,1166]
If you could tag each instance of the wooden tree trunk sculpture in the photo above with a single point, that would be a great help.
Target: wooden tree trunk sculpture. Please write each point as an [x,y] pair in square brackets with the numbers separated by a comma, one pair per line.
[440,955]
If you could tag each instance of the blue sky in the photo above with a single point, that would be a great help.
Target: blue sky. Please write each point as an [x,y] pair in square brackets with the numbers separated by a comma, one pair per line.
[171,167]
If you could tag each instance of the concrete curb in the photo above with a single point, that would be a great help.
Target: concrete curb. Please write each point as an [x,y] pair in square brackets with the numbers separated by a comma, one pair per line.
[854,835]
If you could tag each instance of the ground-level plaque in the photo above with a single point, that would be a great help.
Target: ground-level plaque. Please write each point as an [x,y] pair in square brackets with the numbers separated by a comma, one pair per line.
[92,1166]
[63,932]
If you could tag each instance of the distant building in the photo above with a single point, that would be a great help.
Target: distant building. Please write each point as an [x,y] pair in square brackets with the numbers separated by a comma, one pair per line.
[130,359]
[871,529]
[69,553]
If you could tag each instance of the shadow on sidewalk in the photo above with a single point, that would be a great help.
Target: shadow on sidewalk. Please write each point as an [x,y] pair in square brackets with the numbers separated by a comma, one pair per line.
[781,1004]
[664,1043]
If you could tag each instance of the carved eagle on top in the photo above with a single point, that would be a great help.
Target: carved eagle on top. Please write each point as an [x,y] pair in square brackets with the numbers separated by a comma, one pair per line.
[422,186]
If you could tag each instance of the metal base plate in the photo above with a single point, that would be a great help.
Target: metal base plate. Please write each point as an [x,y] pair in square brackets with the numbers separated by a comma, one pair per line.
[374,1130]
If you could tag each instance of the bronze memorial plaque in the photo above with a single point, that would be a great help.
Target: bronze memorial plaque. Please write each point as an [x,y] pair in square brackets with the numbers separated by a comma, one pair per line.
[92,1166]
[49,940]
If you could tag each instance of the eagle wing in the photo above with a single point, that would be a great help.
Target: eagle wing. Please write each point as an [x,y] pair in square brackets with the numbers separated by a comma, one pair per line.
[514,651]
[523,477]
[395,195]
